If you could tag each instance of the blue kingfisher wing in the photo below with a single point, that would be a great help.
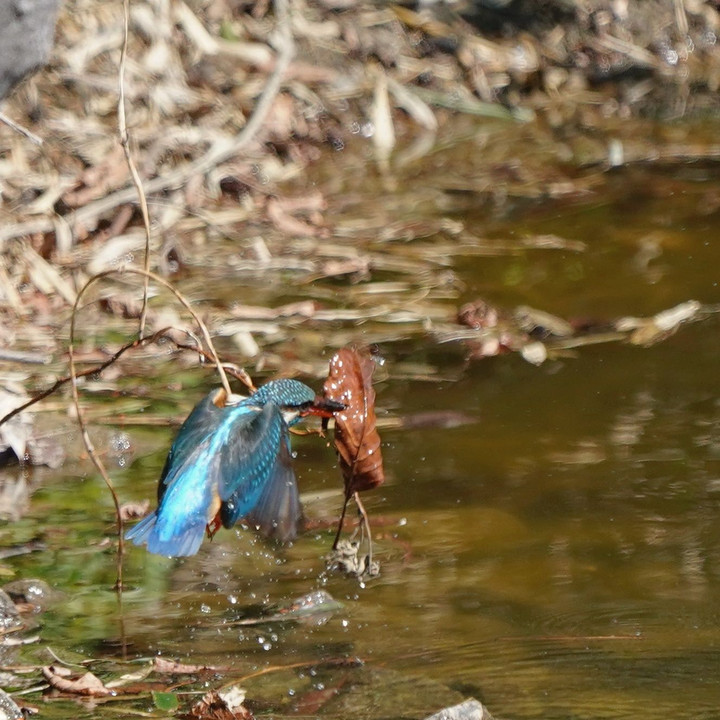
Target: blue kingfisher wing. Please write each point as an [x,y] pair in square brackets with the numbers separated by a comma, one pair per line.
[192,441]
[188,489]
[257,477]
[278,512]
[189,501]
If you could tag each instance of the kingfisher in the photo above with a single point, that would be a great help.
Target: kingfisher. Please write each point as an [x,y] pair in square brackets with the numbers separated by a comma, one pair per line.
[231,459]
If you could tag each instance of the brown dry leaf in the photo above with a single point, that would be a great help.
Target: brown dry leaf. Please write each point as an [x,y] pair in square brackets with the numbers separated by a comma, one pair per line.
[479,314]
[221,706]
[359,267]
[302,308]
[311,204]
[357,440]
[539,323]
[98,180]
[289,224]
[122,305]
[61,679]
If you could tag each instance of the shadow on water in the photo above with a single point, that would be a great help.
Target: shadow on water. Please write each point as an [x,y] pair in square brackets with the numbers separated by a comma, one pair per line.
[557,555]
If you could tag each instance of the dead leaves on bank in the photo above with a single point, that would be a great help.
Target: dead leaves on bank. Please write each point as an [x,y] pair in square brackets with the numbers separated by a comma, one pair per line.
[538,335]
[172,687]
[215,705]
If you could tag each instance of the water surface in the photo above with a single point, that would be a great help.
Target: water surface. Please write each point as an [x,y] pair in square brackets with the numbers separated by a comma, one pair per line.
[556,556]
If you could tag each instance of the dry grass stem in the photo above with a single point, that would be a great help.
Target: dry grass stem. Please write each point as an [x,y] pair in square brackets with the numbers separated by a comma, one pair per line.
[125,142]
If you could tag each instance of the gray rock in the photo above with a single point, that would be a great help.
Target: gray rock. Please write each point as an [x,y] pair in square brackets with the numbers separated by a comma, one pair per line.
[469,710]
[9,616]
[32,592]
[8,708]
[26,35]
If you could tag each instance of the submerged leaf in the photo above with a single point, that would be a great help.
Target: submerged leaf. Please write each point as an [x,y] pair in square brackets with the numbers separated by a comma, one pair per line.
[356,437]
[227,705]
[61,679]
[166,701]
[171,667]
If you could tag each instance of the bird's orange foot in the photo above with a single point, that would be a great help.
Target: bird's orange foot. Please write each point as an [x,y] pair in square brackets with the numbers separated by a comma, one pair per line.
[213,526]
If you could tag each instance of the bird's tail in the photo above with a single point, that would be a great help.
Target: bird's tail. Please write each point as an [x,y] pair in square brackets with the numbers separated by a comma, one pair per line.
[159,541]
[139,533]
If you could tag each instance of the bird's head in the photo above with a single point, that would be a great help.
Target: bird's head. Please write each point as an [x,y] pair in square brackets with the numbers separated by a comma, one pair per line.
[295,399]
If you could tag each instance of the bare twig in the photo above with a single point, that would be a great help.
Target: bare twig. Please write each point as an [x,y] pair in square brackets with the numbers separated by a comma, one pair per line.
[681,17]
[91,371]
[183,301]
[125,142]
[328,662]
[76,398]
[31,136]
[237,372]
[230,368]
[341,523]
[88,442]
[366,526]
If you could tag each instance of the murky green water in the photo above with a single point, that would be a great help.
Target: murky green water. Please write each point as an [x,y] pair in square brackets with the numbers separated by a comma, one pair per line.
[557,557]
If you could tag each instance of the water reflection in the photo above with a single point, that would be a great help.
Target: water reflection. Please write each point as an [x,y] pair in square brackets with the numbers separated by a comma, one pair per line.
[556,553]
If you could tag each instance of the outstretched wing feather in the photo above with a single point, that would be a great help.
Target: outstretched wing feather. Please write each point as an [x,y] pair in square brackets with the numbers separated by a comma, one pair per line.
[278,512]
[248,461]
[192,441]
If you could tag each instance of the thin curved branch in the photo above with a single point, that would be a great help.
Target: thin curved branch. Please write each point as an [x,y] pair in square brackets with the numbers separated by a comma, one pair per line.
[88,442]
[138,342]
[181,299]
